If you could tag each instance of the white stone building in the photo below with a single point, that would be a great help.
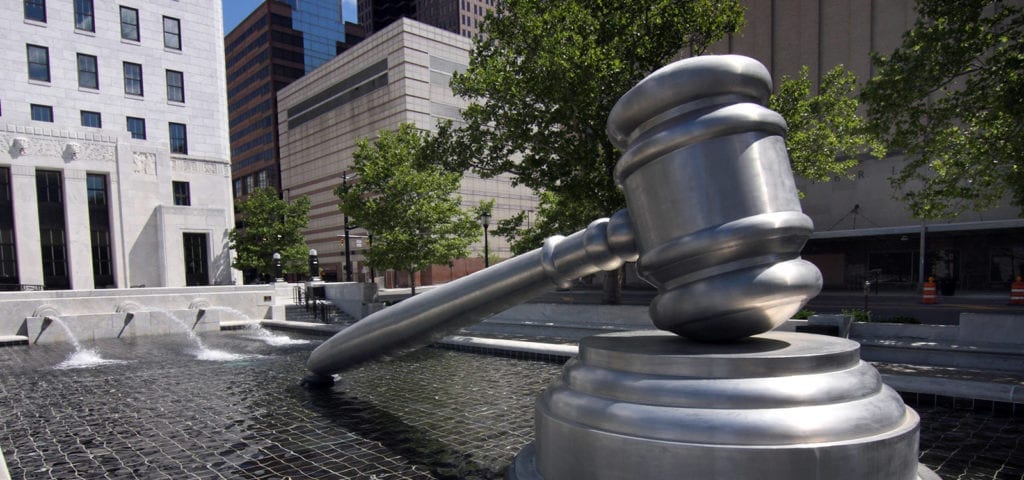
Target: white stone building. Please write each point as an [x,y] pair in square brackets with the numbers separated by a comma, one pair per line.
[399,74]
[114,166]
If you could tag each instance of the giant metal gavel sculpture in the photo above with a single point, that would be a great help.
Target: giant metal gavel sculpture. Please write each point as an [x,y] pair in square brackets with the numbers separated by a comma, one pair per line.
[713,221]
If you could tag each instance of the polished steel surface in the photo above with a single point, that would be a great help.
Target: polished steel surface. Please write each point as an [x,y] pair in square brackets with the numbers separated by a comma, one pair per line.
[418,321]
[716,212]
[715,223]
[714,216]
[646,405]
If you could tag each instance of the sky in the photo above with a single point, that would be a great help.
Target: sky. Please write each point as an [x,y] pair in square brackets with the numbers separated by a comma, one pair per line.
[236,10]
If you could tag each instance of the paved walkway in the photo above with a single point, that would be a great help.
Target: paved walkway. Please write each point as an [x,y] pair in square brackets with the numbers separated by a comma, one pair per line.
[1001,390]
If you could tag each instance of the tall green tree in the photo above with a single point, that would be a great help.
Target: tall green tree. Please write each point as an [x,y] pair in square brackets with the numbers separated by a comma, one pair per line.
[271,225]
[543,80]
[950,99]
[408,203]
[825,132]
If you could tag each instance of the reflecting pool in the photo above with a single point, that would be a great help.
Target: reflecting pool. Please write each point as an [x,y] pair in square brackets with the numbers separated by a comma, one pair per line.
[163,411]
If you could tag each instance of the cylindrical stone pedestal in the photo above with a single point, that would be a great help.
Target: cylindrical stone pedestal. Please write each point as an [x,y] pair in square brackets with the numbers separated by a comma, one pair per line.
[777,406]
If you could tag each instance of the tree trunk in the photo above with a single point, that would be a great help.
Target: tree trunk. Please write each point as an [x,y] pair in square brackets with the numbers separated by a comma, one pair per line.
[613,286]
[412,281]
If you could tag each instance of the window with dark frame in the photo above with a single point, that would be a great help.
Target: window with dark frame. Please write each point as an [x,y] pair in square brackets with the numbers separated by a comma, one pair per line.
[132,79]
[42,113]
[91,119]
[130,24]
[181,194]
[99,227]
[175,86]
[137,127]
[35,10]
[172,33]
[84,19]
[88,73]
[50,205]
[8,248]
[179,138]
[38,63]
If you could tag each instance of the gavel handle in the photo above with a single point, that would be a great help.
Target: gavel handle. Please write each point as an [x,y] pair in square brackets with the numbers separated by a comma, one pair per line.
[417,321]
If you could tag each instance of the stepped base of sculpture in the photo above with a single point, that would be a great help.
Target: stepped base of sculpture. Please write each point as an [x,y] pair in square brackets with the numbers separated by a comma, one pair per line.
[775,406]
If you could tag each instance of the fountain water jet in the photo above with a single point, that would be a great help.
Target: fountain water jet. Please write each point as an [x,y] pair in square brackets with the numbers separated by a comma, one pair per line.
[201,351]
[264,335]
[81,357]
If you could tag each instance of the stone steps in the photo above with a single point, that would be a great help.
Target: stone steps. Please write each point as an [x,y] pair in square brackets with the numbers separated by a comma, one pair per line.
[298,313]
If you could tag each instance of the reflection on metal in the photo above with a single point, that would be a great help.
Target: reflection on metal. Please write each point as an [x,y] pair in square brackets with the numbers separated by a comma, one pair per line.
[712,204]
[775,406]
[419,320]
[715,222]
[716,212]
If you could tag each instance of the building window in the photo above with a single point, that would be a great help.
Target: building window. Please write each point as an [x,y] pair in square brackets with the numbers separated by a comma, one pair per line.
[249,184]
[8,248]
[179,138]
[42,113]
[175,86]
[238,188]
[129,24]
[137,126]
[35,10]
[91,119]
[38,63]
[50,204]
[132,78]
[97,189]
[84,16]
[99,227]
[88,73]
[181,194]
[261,179]
[172,33]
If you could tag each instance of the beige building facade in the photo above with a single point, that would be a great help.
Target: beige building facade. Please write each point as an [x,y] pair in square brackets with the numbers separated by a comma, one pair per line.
[399,74]
[862,233]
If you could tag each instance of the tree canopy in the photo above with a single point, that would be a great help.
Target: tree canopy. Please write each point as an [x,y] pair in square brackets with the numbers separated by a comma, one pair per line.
[407,203]
[950,99]
[543,79]
[271,225]
[825,132]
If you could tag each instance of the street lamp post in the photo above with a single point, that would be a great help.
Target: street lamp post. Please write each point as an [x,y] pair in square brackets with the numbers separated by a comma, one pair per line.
[348,254]
[485,220]
[314,266]
[278,277]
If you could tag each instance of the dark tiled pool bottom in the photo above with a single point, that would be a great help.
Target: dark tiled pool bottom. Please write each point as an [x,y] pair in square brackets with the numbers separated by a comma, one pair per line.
[432,414]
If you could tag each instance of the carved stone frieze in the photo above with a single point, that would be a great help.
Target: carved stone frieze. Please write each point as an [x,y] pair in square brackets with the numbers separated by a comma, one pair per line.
[144,163]
[24,145]
[198,166]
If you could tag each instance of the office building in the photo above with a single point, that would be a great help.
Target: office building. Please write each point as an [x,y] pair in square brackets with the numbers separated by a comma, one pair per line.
[861,232]
[276,44]
[114,170]
[399,74]
[462,17]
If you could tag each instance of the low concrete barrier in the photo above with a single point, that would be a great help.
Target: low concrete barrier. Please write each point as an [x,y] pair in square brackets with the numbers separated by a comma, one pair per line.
[93,314]
[991,328]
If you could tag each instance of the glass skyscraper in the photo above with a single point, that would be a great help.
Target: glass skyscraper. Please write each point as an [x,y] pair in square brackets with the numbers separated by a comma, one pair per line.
[276,44]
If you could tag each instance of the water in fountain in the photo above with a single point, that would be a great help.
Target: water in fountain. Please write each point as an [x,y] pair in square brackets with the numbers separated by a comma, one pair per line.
[202,352]
[262,334]
[81,357]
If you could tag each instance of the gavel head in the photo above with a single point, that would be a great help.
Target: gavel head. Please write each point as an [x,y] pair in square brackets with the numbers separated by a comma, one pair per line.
[711,195]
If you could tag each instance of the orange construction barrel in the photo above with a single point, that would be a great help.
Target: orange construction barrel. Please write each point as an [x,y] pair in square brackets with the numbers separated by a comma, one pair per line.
[1017,292]
[928,292]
